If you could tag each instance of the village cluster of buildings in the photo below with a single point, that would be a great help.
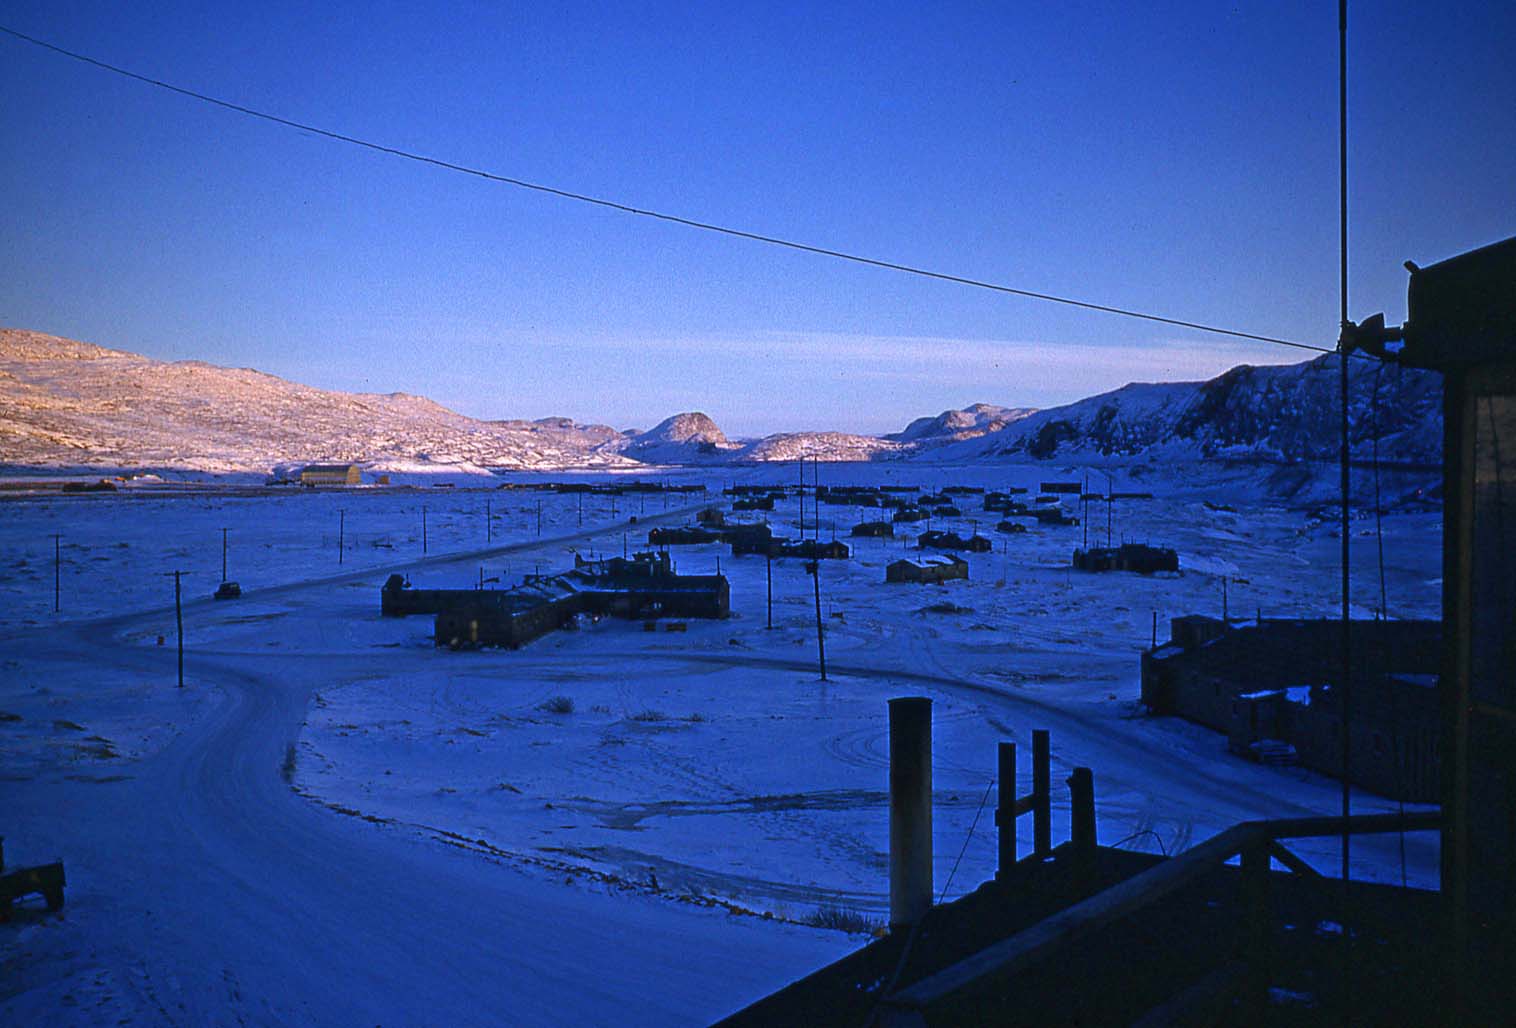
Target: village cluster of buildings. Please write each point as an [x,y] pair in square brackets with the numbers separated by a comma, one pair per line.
[642,587]
[1138,557]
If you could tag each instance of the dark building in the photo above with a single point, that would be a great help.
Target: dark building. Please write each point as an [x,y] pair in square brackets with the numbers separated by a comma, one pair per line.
[748,533]
[398,599]
[1010,527]
[1052,516]
[927,570]
[911,514]
[953,541]
[810,549]
[875,530]
[1275,682]
[1126,557]
[1003,502]
[644,587]
[685,536]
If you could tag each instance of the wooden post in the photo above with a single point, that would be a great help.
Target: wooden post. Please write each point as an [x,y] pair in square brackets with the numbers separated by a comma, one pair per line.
[423,528]
[1082,821]
[223,555]
[179,622]
[489,524]
[1005,811]
[814,567]
[341,532]
[1042,794]
[768,559]
[910,810]
[1257,926]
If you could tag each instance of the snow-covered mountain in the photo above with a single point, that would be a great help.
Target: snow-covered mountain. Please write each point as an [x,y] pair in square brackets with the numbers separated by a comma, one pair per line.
[69,403]
[689,438]
[956,425]
[1282,412]
[824,446]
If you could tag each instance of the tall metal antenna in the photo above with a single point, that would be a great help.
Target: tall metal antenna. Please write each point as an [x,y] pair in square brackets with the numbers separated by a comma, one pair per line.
[1347,629]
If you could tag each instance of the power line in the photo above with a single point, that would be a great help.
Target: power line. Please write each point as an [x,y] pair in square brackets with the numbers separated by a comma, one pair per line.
[657,215]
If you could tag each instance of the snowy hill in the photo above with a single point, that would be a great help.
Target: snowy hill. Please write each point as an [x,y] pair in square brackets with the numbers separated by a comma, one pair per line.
[956,425]
[689,438]
[824,446]
[1285,412]
[69,403]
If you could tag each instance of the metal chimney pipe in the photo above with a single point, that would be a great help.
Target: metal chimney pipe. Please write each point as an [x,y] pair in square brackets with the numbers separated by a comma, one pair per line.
[910,809]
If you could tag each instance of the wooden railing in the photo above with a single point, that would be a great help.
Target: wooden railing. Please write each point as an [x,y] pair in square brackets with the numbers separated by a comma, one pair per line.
[1038,802]
[1257,842]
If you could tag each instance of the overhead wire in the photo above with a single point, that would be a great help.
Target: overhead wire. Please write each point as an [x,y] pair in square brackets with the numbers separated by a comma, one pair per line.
[676,219]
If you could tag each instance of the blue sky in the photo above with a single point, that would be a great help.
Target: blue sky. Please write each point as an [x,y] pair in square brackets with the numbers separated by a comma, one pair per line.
[1179,158]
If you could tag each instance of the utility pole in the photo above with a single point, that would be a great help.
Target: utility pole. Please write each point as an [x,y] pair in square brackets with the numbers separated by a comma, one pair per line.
[489,523]
[57,572]
[768,559]
[179,621]
[223,555]
[341,533]
[423,528]
[581,507]
[539,517]
[814,567]
[802,498]
[816,492]
[1084,517]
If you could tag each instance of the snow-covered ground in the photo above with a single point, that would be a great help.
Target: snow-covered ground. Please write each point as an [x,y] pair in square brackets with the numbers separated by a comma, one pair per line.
[336,822]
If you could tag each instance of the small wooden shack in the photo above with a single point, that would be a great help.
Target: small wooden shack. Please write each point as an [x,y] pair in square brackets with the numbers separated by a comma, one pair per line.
[927,569]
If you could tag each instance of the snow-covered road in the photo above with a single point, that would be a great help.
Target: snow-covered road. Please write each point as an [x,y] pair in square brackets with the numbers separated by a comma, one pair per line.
[204,890]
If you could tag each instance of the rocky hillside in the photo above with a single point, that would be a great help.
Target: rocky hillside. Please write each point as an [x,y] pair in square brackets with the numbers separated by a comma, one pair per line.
[825,446]
[690,438]
[1286,412]
[957,425]
[69,403]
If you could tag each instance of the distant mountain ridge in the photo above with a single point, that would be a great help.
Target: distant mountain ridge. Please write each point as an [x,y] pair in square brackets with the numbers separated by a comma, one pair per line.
[69,403]
[65,403]
[1277,412]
